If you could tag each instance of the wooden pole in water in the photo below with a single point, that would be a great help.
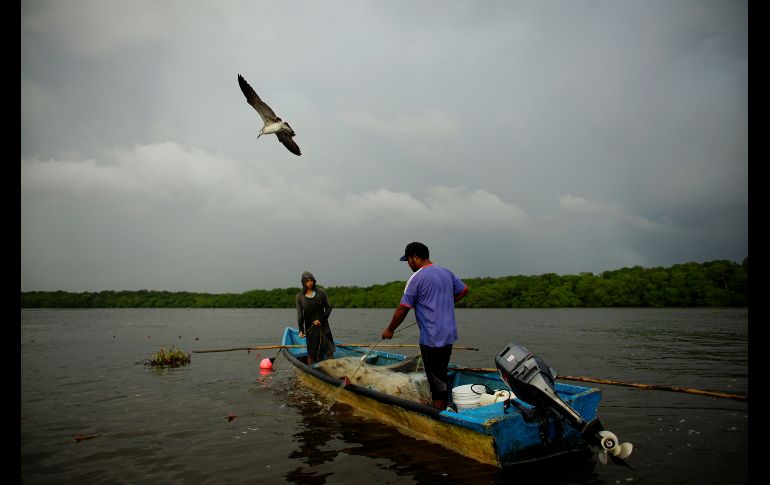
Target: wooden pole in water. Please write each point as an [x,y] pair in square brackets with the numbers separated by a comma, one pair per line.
[657,387]
[267,347]
[262,347]
[454,347]
[653,387]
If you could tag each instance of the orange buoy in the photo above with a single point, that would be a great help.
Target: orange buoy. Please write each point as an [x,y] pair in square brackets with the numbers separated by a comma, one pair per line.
[266,364]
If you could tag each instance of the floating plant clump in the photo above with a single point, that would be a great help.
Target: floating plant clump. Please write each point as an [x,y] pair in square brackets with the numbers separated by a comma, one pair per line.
[173,357]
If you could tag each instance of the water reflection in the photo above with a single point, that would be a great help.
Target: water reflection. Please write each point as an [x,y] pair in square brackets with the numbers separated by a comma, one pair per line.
[313,433]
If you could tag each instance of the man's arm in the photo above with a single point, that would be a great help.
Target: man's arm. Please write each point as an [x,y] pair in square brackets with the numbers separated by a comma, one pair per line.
[462,294]
[398,316]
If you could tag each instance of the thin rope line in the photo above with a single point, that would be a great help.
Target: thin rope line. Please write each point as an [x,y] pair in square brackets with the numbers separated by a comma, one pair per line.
[404,328]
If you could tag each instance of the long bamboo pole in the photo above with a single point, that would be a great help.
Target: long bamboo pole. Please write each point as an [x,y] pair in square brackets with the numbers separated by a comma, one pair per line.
[267,347]
[654,387]
[657,387]
[262,347]
[454,347]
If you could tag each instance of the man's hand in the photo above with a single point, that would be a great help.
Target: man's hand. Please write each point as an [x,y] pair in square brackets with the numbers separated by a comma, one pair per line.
[317,323]
[398,317]
[302,335]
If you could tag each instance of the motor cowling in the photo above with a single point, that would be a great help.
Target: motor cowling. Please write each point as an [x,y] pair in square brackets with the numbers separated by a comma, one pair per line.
[531,379]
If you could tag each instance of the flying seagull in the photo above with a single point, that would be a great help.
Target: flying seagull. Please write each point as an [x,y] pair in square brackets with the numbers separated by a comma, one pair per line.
[273,124]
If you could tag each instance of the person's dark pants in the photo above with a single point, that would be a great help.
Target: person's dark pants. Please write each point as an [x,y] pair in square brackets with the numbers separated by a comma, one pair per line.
[436,360]
[320,342]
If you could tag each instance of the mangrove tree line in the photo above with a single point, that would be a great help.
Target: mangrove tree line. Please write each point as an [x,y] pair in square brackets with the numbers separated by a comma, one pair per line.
[720,283]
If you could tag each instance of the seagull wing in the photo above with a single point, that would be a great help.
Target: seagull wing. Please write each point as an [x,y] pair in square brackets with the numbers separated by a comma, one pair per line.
[288,142]
[267,114]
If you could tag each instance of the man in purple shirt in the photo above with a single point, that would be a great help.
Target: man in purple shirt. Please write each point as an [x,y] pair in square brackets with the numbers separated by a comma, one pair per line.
[432,291]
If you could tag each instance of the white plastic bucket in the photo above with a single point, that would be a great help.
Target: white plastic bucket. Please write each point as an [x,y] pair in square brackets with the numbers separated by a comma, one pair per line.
[467,396]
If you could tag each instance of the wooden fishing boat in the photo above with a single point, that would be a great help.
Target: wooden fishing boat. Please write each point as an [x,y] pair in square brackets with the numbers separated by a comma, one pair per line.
[501,433]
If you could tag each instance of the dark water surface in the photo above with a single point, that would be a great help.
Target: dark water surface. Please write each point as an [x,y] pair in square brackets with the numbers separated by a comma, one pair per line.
[81,374]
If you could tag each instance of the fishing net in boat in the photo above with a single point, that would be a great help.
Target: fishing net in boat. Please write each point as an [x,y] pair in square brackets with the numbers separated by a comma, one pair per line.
[405,380]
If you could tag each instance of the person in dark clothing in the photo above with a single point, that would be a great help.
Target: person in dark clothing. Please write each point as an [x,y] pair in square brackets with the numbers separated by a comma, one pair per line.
[313,312]
[432,291]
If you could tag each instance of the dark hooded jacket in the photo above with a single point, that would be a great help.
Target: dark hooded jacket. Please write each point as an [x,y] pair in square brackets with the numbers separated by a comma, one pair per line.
[313,308]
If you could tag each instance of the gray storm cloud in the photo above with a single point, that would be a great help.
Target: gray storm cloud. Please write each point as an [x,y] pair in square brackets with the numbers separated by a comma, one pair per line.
[518,138]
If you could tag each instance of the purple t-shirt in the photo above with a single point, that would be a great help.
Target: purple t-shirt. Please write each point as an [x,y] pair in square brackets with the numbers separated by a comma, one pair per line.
[430,291]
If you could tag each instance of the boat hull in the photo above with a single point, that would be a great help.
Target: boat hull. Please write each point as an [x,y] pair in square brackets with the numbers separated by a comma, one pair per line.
[490,434]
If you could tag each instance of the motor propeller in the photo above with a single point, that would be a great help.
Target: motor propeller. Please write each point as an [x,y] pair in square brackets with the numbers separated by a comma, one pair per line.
[610,447]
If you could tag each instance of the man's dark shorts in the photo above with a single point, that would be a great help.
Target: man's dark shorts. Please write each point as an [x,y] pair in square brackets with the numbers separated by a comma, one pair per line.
[436,360]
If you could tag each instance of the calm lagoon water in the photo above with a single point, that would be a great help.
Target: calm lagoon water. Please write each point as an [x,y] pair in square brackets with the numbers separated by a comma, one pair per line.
[82,374]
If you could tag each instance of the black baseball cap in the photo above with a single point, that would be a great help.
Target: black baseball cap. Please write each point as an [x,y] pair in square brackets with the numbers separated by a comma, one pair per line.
[415,249]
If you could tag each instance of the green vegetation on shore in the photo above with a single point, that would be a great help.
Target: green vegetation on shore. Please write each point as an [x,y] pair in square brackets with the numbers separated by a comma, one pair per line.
[718,283]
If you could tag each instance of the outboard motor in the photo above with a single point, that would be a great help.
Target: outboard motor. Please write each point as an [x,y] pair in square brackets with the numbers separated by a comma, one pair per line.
[532,382]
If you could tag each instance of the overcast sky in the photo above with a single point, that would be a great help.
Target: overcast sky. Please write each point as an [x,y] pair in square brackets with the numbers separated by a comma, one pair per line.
[510,137]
